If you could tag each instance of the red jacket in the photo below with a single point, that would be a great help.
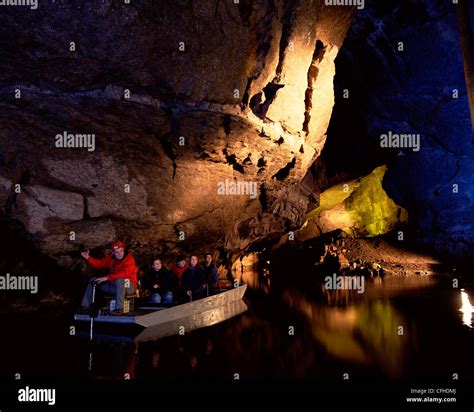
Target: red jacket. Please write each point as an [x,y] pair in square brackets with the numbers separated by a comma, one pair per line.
[179,272]
[119,269]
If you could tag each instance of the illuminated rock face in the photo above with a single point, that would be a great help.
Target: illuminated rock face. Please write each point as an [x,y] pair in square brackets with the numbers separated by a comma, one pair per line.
[181,96]
[359,207]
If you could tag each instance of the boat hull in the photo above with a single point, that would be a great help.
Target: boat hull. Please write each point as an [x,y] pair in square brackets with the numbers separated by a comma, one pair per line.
[192,322]
[203,312]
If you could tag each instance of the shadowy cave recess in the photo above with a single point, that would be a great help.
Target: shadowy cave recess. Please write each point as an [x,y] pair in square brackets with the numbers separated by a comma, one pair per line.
[294,100]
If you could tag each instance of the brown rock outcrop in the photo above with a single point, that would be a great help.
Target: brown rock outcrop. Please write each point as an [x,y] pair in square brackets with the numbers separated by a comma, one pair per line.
[185,99]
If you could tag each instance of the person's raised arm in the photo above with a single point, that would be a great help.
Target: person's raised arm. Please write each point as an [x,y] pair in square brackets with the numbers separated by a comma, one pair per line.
[95,263]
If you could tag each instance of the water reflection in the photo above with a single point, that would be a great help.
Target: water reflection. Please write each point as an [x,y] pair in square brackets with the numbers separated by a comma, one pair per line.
[172,359]
[466,308]
[111,360]
[363,334]
[366,333]
[177,358]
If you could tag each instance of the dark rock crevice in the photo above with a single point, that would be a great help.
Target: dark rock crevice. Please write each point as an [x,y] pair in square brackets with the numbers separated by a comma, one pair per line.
[283,173]
[259,107]
[86,208]
[261,101]
[263,198]
[287,30]
[245,10]
[226,122]
[313,70]
[246,97]
[232,160]
[173,134]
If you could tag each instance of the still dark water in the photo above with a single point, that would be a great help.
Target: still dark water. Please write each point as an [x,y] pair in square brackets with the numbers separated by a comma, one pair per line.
[400,328]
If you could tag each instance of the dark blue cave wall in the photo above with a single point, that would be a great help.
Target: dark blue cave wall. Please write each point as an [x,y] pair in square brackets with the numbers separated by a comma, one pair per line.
[411,91]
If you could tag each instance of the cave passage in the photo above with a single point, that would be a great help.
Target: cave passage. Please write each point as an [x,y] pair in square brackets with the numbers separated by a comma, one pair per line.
[315,155]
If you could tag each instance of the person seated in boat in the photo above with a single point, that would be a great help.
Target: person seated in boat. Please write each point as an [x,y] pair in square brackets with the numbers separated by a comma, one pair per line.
[161,283]
[121,280]
[192,282]
[179,267]
[211,277]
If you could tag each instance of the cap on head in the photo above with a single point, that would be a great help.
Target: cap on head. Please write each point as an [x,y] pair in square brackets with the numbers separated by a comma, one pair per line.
[117,245]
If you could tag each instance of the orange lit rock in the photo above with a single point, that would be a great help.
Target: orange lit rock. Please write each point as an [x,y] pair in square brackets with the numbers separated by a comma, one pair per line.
[170,122]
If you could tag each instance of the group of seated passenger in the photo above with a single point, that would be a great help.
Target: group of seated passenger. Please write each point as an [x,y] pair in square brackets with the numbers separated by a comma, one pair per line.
[184,282]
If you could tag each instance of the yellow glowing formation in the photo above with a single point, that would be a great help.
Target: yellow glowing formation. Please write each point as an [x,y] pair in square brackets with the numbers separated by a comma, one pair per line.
[359,207]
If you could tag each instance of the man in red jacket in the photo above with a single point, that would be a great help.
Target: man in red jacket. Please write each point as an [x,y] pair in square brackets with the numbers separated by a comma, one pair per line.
[179,268]
[122,279]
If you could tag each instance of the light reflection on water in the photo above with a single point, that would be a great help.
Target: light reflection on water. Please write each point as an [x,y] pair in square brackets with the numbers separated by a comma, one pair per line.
[369,332]
[363,329]
[366,333]
[345,332]
[466,308]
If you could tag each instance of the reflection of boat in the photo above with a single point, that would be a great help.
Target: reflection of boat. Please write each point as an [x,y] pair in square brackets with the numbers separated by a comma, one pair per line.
[159,322]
